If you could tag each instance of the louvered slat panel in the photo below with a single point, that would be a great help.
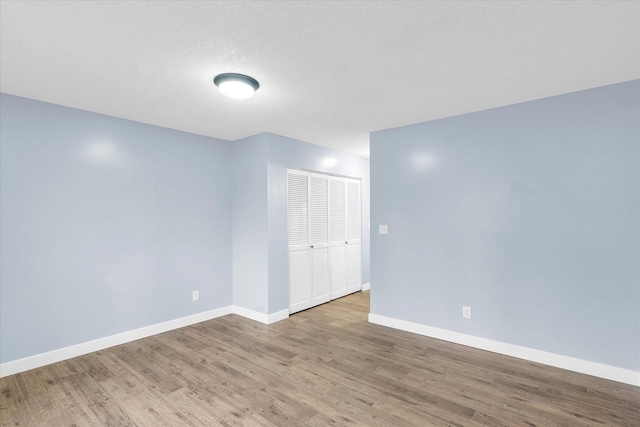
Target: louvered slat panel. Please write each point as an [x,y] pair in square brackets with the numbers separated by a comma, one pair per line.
[297,210]
[319,210]
[337,210]
[353,210]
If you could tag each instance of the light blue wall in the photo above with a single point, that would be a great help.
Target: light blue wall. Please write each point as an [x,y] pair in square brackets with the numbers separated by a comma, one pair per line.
[107,225]
[284,153]
[250,225]
[528,213]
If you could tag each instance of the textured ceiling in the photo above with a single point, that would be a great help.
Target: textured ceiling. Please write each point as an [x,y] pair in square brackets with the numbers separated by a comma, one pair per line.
[330,72]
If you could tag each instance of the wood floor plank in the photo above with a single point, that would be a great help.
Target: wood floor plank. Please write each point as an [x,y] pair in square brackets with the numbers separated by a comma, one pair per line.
[323,366]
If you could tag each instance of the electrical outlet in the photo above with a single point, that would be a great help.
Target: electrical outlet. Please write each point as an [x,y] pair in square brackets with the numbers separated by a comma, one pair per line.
[466,312]
[383,229]
[195,295]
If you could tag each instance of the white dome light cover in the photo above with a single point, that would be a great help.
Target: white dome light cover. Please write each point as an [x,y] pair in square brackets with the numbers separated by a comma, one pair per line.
[237,86]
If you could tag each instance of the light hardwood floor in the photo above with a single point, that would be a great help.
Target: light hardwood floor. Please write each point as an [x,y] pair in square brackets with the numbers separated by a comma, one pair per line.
[324,366]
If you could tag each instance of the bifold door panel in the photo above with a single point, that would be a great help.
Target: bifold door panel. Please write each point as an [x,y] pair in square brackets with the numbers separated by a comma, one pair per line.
[353,218]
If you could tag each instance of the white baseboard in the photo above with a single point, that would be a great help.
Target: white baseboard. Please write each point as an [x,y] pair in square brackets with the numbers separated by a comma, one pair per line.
[278,316]
[260,317]
[366,286]
[42,359]
[250,314]
[614,373]
[33,362]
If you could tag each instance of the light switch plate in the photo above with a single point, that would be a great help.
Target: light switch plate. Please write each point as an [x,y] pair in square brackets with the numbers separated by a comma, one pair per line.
[383,229]
[196,295]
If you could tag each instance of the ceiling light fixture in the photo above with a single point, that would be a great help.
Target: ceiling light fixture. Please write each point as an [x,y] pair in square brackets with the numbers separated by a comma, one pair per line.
[237,86]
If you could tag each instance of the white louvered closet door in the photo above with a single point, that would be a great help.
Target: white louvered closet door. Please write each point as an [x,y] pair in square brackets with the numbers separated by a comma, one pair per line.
[298,240]
[323,225]
[338,237]
[319,232]
[353,230]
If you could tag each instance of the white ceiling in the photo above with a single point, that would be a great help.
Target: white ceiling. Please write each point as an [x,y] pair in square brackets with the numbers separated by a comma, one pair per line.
[330,72]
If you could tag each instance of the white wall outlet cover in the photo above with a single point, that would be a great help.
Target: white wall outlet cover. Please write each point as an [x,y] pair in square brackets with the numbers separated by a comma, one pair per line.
[383,229]
[466,312]
[196,295]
